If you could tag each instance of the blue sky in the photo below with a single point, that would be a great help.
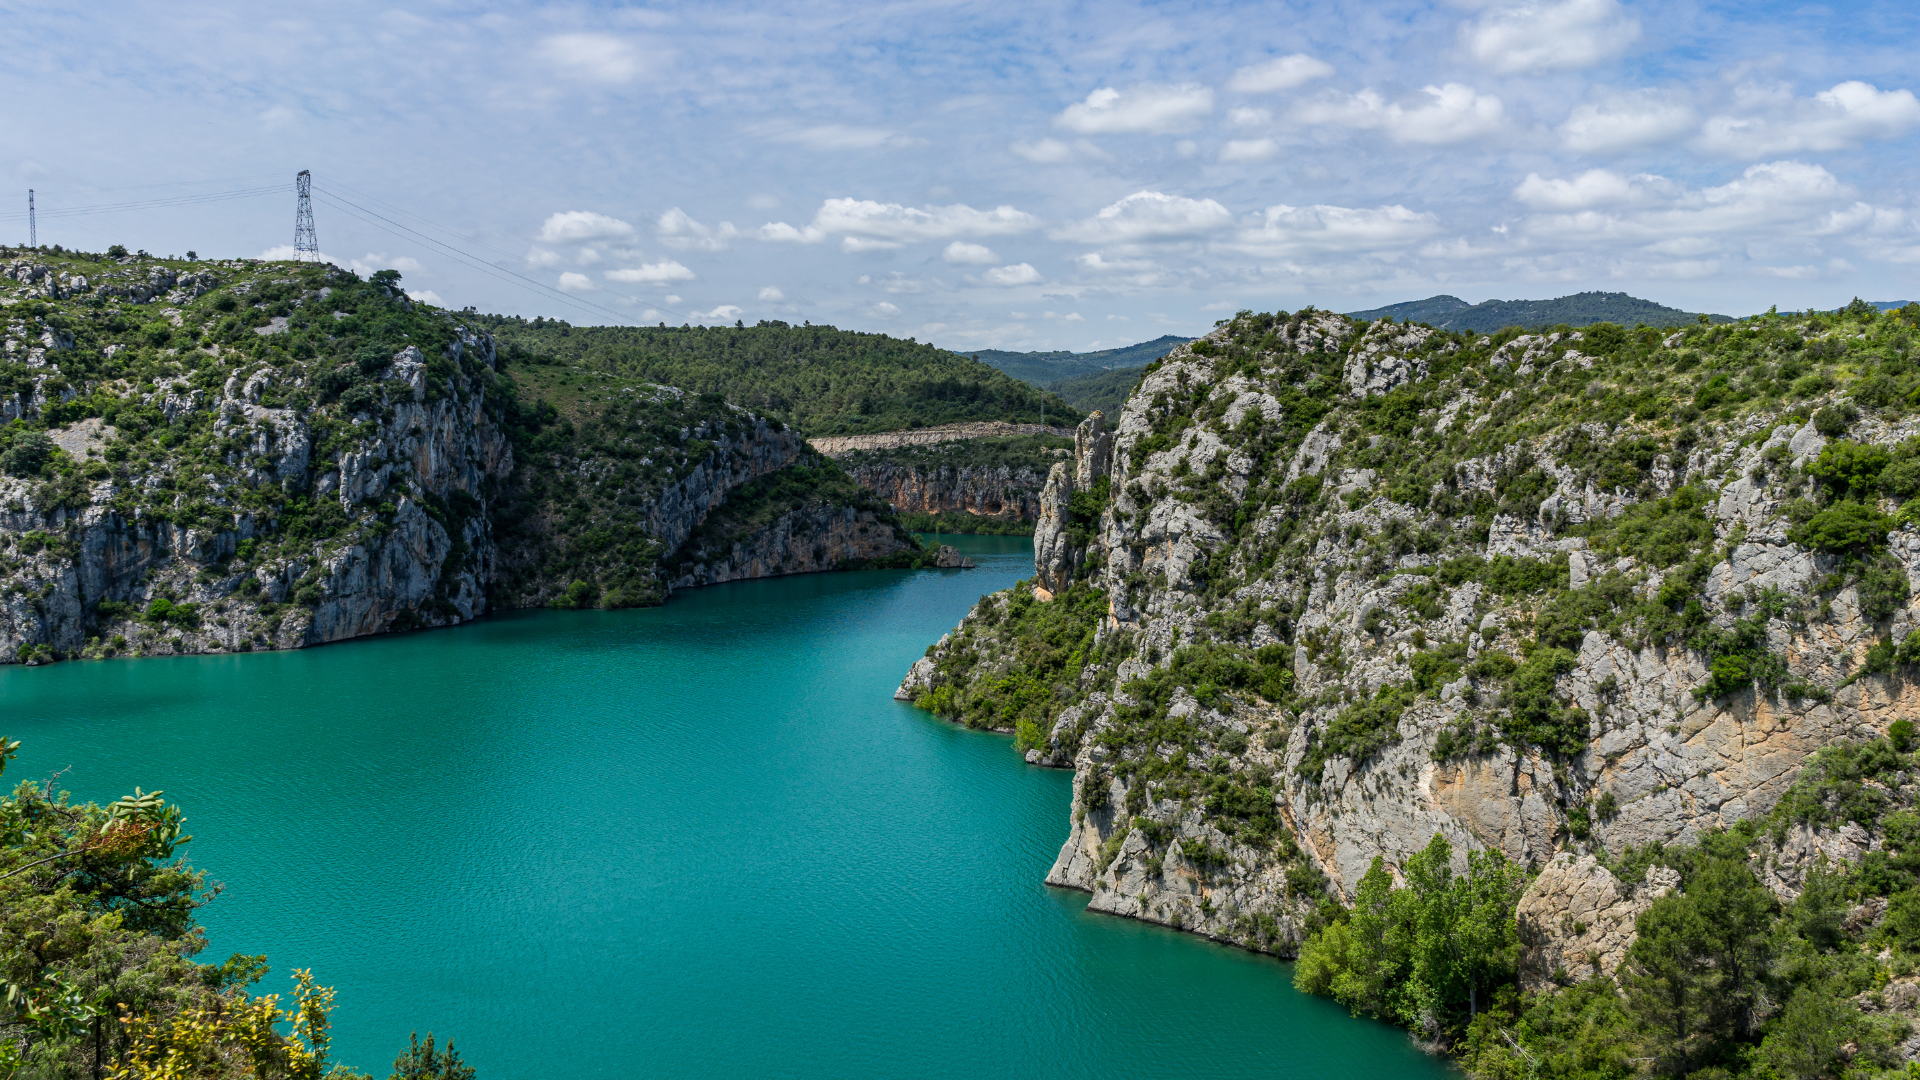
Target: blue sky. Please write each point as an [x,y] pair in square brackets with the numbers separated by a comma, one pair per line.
[993,174]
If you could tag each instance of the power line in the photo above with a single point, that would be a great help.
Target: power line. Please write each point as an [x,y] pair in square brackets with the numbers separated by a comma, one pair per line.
[170,183]
[151,204]
[474,261]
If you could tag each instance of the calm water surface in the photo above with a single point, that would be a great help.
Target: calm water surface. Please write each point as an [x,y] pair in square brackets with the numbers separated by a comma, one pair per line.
[697,840]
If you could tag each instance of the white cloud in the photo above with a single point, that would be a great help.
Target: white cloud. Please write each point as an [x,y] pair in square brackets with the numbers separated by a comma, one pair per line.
[1096,261]
[969,254]
[1295,230]
[1017,274]
[1249,150]
[1149,109]
[592,57]
[670,298]
[1547,37]
[540,256]
[682,233]
[426,296]
[572,282]
[1149,215]
[722,313]
[1043,151]
[883,310]
[1247,116]
[847,137]
[1836,119]
[780,232]
[866,225]
[854,245]
[1767,203]
[1595,187]
[657,273]
[577,226]
[1450,113]
[772,294]
[1283,73]
[1626,122]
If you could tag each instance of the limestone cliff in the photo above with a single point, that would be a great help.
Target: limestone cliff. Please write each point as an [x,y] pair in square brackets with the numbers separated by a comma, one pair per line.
[284,455]
[989,475]
[1356,584]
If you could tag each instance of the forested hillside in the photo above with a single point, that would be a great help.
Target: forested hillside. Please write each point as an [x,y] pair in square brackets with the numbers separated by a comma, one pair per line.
[1049,368]
[1104,391]
[1580,309]
[1553,694]
[820,380]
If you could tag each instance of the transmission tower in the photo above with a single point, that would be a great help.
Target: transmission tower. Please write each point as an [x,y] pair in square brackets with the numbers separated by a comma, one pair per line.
[33,223]
[305,245]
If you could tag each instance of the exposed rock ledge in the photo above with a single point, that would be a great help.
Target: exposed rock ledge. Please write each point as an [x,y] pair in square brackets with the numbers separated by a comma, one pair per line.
[833,445]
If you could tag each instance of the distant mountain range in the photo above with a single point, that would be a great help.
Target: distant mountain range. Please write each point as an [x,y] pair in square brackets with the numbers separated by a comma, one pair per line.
[1046,368]
[1581,309]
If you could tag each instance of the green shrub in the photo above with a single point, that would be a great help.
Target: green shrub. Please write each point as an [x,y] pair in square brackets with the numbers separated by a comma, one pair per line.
[1833,421]
[1845,528]
[1850,466]
[1361,730]
[1536,716]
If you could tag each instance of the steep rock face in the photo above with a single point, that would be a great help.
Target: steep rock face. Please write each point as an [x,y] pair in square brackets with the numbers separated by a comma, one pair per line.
[940,472]
[1053,556]
[1458,621]
[395,573]
[285,455]
[1057,557]
[681,506]
[1577,919]
[802,541]
[997,491]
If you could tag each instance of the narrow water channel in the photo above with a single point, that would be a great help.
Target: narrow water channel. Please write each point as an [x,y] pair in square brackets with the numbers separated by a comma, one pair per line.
[696,840]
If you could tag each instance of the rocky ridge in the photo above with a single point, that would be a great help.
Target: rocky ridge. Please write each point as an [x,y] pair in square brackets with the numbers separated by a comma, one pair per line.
[1353,585]
[238,455]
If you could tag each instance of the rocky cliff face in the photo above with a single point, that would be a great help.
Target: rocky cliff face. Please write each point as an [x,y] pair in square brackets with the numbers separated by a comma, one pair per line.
[998,491]
[285,455]
[988,473]
[1551,594]
[801,541]
[170,532]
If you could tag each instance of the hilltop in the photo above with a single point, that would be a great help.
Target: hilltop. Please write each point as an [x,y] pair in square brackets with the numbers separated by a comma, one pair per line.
[821,380]
[1050,368]
[1581,309]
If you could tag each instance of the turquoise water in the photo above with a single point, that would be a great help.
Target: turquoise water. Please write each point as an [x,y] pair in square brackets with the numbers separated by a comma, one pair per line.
[697,840]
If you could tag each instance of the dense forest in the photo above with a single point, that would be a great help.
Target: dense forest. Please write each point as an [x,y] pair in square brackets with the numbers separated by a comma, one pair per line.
[1105,391]
[1047,368]
[821,380]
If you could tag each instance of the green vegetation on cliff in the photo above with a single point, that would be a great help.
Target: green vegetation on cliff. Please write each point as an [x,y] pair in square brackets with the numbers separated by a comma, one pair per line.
[821,380]
[1723,978]
[1393,575]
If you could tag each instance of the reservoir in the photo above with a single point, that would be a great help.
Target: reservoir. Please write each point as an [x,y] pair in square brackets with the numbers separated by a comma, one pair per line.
[698,840]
